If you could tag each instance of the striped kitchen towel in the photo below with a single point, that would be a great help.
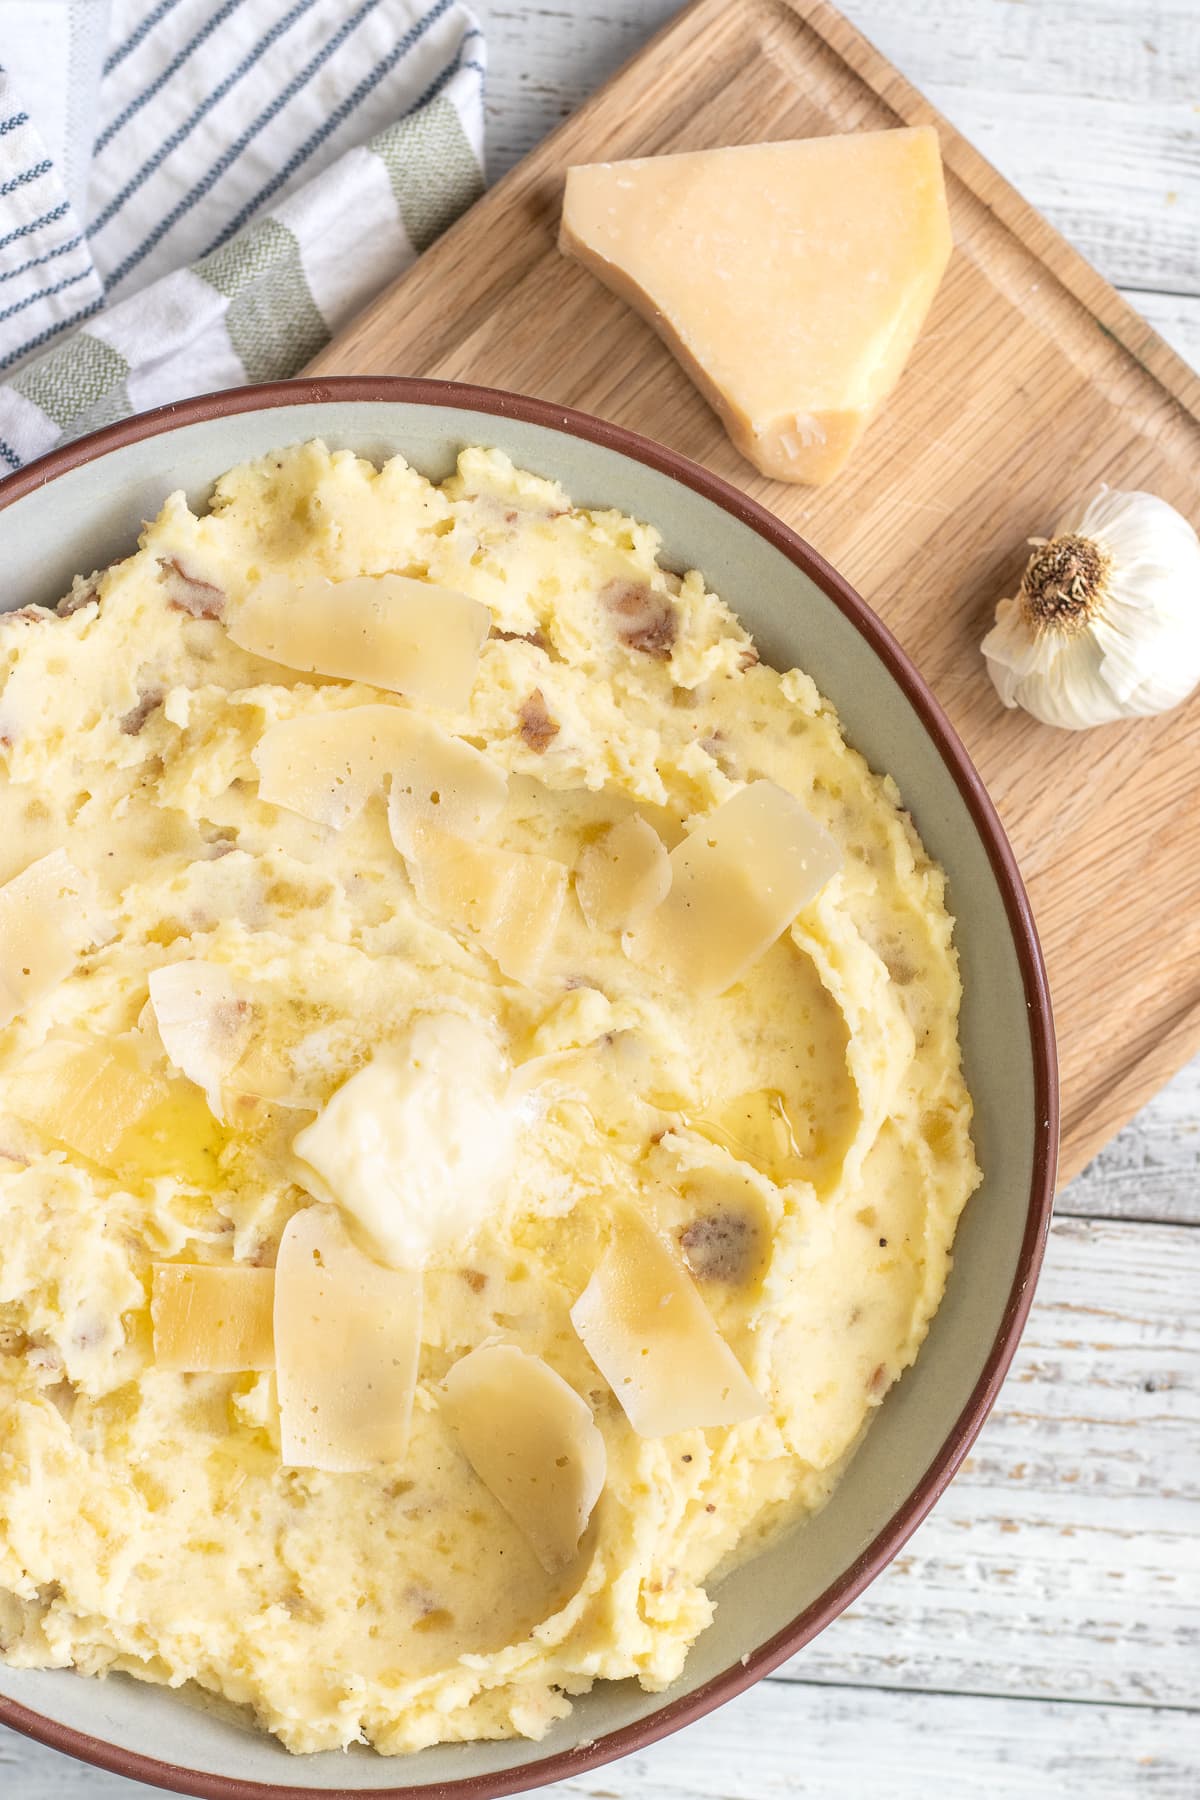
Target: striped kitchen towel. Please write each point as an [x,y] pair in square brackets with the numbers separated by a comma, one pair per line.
[259,169]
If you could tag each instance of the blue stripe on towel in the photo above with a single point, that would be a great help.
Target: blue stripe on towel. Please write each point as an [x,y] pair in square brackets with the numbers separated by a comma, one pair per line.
[46,293]
[176,138]
[117,56]
[338,117]
[235,150]
[35,224]
[26,176]
[9,455]
[35,262]
[160,80]
[51,331]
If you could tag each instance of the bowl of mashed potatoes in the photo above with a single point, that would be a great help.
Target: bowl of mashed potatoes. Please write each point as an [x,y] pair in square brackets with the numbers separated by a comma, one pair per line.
[527,1094]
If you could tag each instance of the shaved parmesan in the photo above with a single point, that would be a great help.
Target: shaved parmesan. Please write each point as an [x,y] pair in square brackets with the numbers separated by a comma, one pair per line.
[390,630]
[611,1080]
[211,1320]
[737,881]
[415,1147]
[48,915]
[532,1442]
[445,784]
[504,900]
[651,1336]
[85,1094]
[203,1021]
[623,877]
[215,1034]
[347,1340]
[326,766]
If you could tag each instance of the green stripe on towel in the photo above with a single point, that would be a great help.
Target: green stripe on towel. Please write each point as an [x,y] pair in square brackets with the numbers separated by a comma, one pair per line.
[273,321]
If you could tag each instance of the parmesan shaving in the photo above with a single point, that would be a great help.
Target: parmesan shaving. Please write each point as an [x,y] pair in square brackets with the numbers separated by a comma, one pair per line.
[504,900]
[532,1442]
[326,766]
[445,784]
[204,1023]
[216,1035]
[212,1320]
[737,881]
[49,914]
[85,1094]
[623,877]
[347,1340]
[651,1336]
[395,632]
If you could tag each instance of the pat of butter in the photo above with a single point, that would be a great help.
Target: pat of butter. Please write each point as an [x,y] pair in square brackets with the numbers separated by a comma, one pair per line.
[415,1147]
[790,279]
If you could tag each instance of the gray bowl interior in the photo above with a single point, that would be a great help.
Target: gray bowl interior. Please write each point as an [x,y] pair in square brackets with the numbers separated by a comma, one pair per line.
[91,515]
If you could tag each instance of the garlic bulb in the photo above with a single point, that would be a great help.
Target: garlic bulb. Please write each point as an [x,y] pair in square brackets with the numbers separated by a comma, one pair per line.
[1106,623]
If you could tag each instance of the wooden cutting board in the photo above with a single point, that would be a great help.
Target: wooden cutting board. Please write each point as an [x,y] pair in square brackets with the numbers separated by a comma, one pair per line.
[1033,381]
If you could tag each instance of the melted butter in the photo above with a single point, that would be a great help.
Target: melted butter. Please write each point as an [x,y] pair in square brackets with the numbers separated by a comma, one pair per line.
[756,1128]
[178,1136]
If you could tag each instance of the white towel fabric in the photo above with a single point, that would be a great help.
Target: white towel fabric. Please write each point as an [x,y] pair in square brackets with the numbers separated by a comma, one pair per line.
[260,168]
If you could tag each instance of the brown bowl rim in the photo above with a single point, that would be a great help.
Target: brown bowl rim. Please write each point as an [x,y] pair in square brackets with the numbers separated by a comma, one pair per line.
[743,1673]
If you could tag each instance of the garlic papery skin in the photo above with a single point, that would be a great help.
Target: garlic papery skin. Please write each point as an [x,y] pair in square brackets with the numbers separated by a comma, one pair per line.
[1106,623]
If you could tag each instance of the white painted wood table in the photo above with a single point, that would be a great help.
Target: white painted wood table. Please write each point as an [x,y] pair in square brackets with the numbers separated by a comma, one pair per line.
[1040,1635]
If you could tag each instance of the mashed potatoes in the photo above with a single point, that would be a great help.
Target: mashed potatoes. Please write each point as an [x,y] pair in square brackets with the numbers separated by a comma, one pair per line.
[794,1149]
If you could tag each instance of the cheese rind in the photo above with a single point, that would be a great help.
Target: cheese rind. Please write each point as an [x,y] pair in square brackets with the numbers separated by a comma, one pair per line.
[791,280]
[347,1339]
[533,1443]
[652,1338]
[212,1320]
[738,880]
[396,632]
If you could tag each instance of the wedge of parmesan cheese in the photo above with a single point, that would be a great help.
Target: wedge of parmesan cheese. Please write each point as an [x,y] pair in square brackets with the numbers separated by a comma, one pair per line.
[737,881]
[212,1320]
[326,766]
[415,1148]
[533,1443]
[390,630]
[49,915]
[506,901]
[652,1338]
[347,1340]
[790,279]
[623,876]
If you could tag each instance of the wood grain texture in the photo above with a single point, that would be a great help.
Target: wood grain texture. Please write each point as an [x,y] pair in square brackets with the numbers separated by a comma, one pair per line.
[1151,1170]
[1033,381]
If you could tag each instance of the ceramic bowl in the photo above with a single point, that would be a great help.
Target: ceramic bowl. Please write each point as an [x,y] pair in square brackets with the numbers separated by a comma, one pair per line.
[81,506]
